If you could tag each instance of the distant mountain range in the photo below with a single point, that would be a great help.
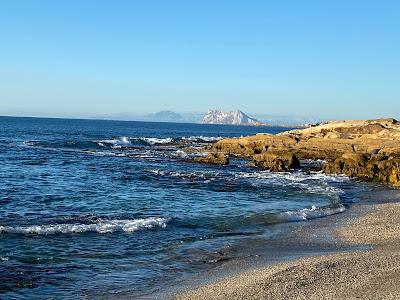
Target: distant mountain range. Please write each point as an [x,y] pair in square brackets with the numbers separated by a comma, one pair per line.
[165,116]
[232,118]
[216,117]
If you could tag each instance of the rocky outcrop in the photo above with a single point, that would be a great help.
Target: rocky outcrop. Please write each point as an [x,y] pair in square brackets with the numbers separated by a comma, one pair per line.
[214,158]
[276,161]
[380,168]
[367,150]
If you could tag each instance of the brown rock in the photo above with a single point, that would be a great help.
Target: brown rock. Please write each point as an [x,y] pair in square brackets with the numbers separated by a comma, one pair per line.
[214,158]
[364,149]
[355,157]
[276,162]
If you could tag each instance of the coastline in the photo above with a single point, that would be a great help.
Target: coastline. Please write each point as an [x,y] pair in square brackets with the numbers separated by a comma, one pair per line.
[370,272]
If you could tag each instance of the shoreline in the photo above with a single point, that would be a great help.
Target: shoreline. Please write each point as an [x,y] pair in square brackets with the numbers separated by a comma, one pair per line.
[289,241]
[370,271]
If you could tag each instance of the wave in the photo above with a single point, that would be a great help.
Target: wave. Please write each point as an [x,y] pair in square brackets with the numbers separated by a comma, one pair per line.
[294,176]
[105,153]
[134,141]
[315,182]
[200,138]
[121,142]
[69,145]
[195,175]
[311,213]
[101,226]
[117,143]
[180,154]
[157,141]
[152,141]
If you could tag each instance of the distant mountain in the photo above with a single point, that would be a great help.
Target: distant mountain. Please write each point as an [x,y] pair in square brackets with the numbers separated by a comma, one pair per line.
[286,120]
[232,118]
[213,117]
[165,116]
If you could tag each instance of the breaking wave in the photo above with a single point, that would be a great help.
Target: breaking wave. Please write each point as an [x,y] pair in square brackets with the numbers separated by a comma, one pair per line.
[311,213]
[157,141]
[315,182]
[123,141]
[200,138]
[180,154]
[151,141]
[102,226]
[134,141]
[294,176]
[120,143]
[202,176]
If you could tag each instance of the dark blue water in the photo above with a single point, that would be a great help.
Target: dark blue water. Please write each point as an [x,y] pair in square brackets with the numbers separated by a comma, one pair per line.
[91,208]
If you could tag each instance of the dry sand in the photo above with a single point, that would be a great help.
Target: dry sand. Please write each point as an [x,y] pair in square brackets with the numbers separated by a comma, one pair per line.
[372,274]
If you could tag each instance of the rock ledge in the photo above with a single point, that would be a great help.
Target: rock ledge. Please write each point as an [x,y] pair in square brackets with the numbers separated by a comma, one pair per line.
[368,150]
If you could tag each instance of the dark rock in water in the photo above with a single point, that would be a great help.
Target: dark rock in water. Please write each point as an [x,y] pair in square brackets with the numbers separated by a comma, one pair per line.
[214,158]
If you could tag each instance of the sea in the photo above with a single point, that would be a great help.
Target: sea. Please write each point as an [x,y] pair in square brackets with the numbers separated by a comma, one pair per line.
[97,208]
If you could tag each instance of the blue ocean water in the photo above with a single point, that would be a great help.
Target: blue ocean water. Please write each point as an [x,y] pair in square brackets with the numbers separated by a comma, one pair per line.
[90,208]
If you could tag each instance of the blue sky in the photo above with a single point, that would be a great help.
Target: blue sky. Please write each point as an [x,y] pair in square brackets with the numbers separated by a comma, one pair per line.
[332,59]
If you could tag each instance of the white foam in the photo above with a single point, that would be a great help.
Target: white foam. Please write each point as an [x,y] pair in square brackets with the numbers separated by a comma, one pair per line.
[102,226]
[121,142]
[155,141]
[311,213]
[207,176]
[316,182]
[29,143]
[157,172]
[180,153]
[293,176]
[126,142]
[201,154]
[104,153]
[313,161]
[201,138]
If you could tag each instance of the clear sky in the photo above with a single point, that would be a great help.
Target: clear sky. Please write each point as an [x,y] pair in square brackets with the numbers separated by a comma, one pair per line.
[334,59]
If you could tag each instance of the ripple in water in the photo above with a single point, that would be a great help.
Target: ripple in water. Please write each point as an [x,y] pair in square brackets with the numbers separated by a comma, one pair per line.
[155,216]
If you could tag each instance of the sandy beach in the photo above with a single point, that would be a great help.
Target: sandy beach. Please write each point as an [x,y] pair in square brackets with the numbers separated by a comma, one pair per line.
[369,274]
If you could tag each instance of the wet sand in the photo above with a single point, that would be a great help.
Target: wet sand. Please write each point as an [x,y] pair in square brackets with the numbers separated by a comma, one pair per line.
[368,274]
